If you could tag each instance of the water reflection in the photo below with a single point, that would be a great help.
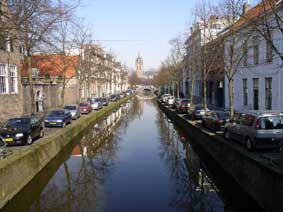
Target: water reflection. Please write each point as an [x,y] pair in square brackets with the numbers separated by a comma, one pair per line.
[133,160]
[193,189]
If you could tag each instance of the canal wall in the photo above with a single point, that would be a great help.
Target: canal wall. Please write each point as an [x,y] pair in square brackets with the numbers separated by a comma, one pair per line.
[17,170]
[262,181]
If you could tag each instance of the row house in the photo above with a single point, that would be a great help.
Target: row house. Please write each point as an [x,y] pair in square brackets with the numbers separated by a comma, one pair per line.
[258,81]
[100,74]
[10,82]
[204,35]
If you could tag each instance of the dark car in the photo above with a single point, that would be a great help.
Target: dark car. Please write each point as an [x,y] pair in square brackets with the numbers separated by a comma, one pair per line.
[215,120]
[58,118]
[196,112]
[182,105]
[22,130]
[104,101]
[114,98]
[85,108]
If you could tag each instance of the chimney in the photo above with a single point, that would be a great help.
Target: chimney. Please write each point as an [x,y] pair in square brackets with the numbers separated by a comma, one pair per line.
[246,8]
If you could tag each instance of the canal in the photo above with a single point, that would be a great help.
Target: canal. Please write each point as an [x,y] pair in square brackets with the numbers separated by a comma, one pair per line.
[133,160]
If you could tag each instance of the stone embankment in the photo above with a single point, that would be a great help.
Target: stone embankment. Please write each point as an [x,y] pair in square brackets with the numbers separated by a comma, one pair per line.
[259,174]
[18,169]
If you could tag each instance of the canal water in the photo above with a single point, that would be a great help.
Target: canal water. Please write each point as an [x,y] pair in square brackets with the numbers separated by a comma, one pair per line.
[133,160]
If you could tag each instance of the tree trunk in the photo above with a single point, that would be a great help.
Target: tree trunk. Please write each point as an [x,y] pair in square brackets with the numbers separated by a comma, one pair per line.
[192,91]
[204,94]
[63,91]
[32,100]
[231,97]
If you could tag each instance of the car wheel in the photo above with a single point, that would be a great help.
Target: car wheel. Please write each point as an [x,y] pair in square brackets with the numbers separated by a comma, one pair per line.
[227,135]
[41,133]
[249,144]
[29,140]
[64,124]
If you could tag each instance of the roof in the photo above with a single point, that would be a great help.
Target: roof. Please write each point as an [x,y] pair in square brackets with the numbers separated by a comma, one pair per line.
[52,65]
[263,7]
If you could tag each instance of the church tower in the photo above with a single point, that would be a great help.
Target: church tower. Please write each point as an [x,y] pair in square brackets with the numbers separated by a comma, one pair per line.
[139,67]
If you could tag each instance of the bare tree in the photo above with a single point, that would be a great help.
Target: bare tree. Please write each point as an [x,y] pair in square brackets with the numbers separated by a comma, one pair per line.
[175,61]
[266,20]
[235,40]
[35,20]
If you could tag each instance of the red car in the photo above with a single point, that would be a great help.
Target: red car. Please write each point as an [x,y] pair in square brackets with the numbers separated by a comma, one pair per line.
[85,108]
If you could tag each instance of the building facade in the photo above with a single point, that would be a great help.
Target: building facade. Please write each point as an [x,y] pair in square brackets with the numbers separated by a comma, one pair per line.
[10,81]
[99,74]
[258,81]
[204,35]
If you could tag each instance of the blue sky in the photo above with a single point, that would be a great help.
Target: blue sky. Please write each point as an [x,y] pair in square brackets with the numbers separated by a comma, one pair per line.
[147,24]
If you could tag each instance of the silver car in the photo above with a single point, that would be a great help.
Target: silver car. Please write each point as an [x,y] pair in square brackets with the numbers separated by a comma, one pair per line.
[74,109]
[96,104]
[256,130]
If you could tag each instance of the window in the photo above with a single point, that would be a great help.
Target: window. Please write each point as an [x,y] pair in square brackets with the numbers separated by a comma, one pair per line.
[11,44]
[3,43]
[3,79]
[255,89]
[269,51]
[268,93]
[247,120]
[256,50]
[216,26]
[13,79]
[245,91]
[245,53]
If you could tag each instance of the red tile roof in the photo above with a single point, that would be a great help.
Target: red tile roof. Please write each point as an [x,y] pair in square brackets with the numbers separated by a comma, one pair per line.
[52,65]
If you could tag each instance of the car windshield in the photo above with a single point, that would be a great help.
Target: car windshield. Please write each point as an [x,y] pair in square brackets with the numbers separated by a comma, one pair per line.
[199,108]
[185,102]
[69,107]
[83,104]
[224,115]
[103,99]
[272,122]
[55,113]
[16,123]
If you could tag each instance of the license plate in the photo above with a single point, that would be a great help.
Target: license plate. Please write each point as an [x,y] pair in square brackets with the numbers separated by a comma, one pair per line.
[8,139]
[53,123]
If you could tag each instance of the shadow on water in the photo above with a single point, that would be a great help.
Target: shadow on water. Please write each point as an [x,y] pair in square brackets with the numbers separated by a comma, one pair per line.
[203,175]
[77,179]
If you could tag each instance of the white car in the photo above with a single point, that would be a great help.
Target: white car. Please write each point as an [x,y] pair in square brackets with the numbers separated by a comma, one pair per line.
[171,100]
[164,97]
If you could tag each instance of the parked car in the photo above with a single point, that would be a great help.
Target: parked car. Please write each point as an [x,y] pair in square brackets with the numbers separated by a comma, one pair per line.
[170,101]
[58,118]
[215,120]
[95,104]
[74,109]
[256,130]
[182,105]
[113,98]
[164,97]
[196,112]
[104,101]
[22,130]
[85,108]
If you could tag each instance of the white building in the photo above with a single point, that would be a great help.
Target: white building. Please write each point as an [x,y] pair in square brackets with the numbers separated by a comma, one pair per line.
[201,33]
[258,81]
